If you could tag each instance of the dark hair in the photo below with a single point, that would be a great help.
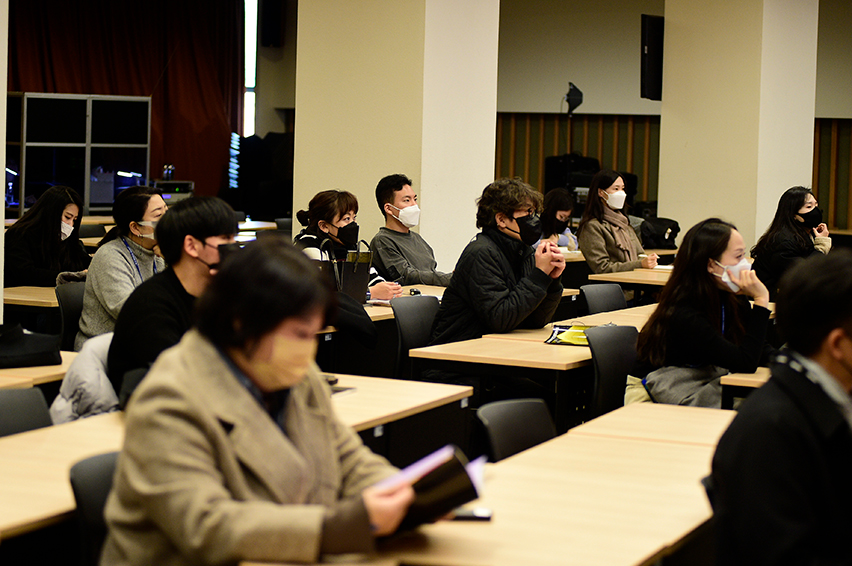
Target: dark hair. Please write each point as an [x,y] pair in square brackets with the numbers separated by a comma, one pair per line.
[200,217]
[603,179]
[130,206]
[387,187]
[554,201]
[691,283]
[235,311]
[40,224]
[325,206]
[505,195]
[784,225]
[814,298]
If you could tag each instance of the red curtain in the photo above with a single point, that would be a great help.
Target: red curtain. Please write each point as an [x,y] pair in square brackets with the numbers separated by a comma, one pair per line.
[187,55]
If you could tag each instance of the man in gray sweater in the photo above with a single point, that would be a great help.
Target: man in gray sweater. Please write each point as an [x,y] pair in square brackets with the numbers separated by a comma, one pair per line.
[398,253]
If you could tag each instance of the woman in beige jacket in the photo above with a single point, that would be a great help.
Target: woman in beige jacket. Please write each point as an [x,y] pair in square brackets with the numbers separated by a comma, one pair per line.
[607,240]
[232,450]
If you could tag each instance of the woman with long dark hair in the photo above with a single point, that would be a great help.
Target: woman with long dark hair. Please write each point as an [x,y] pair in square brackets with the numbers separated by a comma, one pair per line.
[555,218]
[796,232]
[704,323]
[607,240]
[46,240]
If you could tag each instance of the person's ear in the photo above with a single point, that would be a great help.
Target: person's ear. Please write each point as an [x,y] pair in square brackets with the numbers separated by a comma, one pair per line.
[323,225]
[711,266]
[134,228]
[192,246]
[834,343]
[602,194]
[501,219]
[387,209]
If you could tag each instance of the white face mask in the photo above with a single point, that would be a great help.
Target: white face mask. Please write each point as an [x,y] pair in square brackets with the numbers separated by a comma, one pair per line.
[743,265]
[616,200]
[409,216]
[152,224]
[65,230]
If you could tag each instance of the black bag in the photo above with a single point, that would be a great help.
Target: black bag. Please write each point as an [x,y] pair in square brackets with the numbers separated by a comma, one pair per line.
[20,349]
[349,274]
[659,233]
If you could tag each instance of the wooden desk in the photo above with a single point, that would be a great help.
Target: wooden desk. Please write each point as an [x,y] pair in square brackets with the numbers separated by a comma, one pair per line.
[661,423]
[661,252]
[42,374]
[255,225]
[104,220]
[91,242]
[15,382]
[636,277]
[741,384]
[30,296]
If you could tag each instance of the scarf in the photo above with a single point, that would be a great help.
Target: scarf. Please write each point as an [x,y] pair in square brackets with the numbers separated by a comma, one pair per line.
[620,226]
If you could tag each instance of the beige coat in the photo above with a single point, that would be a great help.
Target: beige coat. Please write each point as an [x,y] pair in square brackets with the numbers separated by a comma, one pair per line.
[206,477]
[597,242]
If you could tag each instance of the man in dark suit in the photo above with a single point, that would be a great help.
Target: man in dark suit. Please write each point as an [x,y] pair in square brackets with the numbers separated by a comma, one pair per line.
[781,485]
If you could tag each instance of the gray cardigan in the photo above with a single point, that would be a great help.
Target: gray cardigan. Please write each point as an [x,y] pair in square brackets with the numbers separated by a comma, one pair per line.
[597,242]
[112,277]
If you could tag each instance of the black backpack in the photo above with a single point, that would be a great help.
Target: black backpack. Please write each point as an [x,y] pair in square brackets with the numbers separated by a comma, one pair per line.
[659,233]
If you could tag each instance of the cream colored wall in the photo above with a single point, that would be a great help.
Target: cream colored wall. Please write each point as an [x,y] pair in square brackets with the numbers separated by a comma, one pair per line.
[544,44]
[276,76]
[359,94]
[834,60]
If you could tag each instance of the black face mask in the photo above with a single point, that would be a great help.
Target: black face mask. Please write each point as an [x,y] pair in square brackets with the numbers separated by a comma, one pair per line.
[812,218]
[348,235]
[529,229]
[559,226]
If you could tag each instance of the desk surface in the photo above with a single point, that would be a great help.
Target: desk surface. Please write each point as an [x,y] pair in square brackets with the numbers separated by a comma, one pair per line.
[516,353]
[636,277]
[15,382]
[42,374]
[254,225]
[755,379]
[104,220]
[30,296]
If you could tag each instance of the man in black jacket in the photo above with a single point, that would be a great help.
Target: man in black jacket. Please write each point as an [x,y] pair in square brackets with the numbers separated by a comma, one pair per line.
[500,282]
[781,474]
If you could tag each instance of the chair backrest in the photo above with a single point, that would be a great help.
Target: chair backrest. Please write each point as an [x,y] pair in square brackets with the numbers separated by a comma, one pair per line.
[414,317]
[603,297]
[91,481]
[92,230]
[240,215]
[285,224]
[70,297]
[515,425]
[22,410]
[613,355]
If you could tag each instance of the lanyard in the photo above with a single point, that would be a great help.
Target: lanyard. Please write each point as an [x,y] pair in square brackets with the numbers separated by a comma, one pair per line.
[136,263]
[723,319]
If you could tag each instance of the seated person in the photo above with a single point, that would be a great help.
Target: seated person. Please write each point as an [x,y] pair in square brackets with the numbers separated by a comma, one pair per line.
[555,218]
[330,227]
[796,232]
[126,256]
[398,253]
[46,241]
[159,311]
[780,481]
[703,326]
[233,451]
[500,282]
[607,240]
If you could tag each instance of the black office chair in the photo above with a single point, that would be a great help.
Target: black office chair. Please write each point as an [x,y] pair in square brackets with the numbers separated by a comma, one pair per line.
[91,481]
[613,355]
[70,297]
[240,215]
[285,224]
[603,297]
[414,316]
[92,230]
[22,410]
[515,425]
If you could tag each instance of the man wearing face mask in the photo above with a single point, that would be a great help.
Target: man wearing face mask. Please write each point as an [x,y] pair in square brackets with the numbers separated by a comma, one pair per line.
[500,282]
[159,311]
[780,480]
[398,253]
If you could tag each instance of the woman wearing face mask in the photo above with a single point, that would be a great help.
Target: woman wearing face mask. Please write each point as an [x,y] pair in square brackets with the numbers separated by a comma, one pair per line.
[46,241]
[126,257]
[796,232]
[704,325]
[555,218]
[607,240]
[233,451]
[330,226]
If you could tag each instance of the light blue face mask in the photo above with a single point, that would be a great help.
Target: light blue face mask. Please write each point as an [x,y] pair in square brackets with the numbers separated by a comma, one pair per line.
[737,269]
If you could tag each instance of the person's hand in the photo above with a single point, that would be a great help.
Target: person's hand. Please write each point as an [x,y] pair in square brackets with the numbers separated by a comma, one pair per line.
[386,506]
[557,261]
[385,291]
[751,286]
[649,261]
[543,257]
[821,231]
[156,250]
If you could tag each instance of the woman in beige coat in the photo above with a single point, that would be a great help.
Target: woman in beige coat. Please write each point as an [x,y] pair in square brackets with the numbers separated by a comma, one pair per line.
[232,450]
[607,240]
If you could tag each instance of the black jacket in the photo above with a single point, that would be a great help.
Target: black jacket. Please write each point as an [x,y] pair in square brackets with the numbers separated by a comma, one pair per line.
[774,261]
[781,474]
[495,288]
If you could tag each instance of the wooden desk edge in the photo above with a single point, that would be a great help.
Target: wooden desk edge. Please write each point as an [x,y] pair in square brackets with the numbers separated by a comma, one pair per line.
[399,415]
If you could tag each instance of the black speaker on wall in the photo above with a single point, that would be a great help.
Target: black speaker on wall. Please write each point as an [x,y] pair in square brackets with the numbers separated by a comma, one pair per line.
[652,57]
[270,15]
